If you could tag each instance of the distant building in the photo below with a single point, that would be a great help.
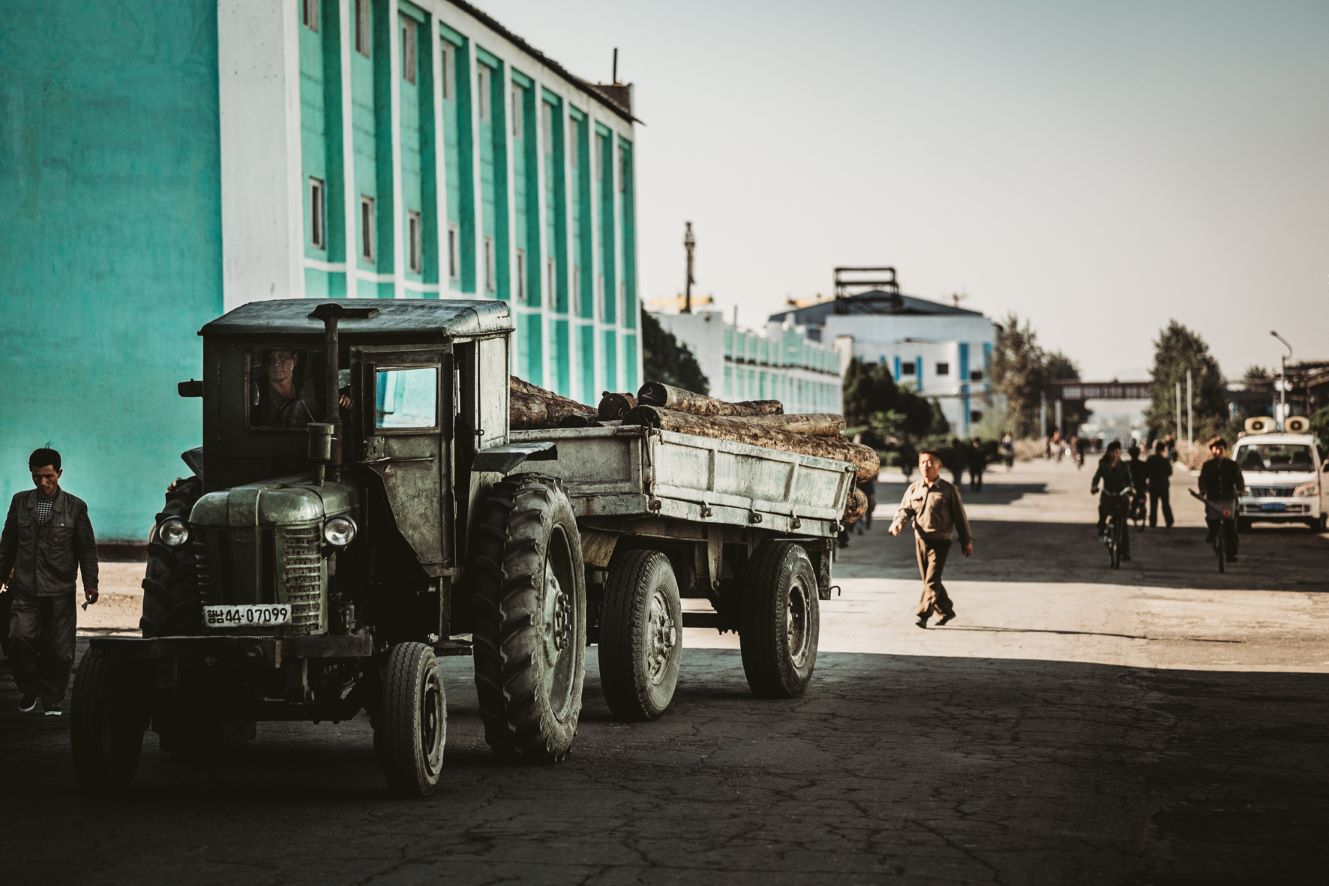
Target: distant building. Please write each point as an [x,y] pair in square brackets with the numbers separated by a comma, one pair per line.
[940,351]
[175,160]
[780,363]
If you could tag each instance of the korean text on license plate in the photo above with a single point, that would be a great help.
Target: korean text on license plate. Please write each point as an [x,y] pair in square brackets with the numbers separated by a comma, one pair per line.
[253,615]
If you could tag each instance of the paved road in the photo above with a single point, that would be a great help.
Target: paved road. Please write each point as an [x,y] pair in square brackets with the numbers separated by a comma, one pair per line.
[1158,724]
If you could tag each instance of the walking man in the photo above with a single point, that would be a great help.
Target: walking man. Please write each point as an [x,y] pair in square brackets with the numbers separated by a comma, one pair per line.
[1158,470]
[935,508]
[46,539]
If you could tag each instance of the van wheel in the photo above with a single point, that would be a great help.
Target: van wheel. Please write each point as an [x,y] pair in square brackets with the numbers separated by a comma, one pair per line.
[780,621]
[107,718]
[411,727]
[641,635]
[528,598]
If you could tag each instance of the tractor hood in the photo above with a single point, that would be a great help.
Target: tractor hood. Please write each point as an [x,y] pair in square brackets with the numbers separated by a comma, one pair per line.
[280,502]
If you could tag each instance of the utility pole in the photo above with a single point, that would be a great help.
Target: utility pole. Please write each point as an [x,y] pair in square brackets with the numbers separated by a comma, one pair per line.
[1190,410]
[1179,438]
[689,243]
[1282,381]
[1042,415]
[1056,408]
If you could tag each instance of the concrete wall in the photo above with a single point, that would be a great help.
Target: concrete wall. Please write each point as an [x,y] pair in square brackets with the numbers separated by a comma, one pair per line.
[110,243]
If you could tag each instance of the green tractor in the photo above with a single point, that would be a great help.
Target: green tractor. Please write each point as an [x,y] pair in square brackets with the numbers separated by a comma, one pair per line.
[352,514]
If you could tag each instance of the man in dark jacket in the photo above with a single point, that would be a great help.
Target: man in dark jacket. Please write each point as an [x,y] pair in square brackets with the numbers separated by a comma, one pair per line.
[46,539]
[1115,477]
[1220,483]
[1158,471]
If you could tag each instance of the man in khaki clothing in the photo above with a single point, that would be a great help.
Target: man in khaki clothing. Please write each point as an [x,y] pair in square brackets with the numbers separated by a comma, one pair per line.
[935,507]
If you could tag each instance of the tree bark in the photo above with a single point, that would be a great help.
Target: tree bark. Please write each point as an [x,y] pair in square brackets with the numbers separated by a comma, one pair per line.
[818,424]
[530,406]
[855,508]
[655,393]
[756,433]
[615,406]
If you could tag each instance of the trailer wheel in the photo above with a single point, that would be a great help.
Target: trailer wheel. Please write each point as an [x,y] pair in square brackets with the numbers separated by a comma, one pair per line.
[641,635]
[170,583]
[411,728]
[779,622]
[107,718]
[528,597]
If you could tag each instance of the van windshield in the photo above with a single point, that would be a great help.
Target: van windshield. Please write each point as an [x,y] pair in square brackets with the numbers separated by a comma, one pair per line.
[1275,457]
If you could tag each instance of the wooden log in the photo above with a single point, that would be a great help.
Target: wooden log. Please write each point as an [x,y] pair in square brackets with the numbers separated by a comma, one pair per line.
[855,508]
[747,430]
[615,406]
[655,393]
[531,406]
[818,424]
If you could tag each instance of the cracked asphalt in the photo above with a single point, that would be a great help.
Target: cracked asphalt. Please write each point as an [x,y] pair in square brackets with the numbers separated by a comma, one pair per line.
[1161,724]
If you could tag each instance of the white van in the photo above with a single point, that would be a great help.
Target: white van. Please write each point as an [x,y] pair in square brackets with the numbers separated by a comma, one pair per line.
[1285,480]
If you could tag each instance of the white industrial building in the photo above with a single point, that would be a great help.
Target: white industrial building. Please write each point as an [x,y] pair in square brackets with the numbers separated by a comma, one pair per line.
[940,351]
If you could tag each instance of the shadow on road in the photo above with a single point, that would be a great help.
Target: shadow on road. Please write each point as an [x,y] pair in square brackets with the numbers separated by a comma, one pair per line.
[889,492]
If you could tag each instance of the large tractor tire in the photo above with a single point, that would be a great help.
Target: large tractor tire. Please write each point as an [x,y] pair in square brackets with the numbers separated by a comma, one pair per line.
[411,724]
[528,598]
[107,718]
[641,635]
[780,621]
[170,582]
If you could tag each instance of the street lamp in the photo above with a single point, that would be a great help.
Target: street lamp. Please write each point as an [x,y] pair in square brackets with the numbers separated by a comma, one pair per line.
[1282,388]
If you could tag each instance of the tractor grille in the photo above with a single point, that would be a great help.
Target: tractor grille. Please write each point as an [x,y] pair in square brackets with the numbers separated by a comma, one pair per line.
[303,577]
[203,577]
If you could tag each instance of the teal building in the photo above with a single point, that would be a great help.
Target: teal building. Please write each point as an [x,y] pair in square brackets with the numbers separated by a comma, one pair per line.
[185,158]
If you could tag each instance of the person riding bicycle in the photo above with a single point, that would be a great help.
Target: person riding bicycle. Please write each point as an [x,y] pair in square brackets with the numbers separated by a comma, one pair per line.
[1116,479]
[1220,483]
[1139,479]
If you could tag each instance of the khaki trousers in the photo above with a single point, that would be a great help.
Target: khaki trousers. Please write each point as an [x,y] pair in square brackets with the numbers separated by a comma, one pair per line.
[931,561]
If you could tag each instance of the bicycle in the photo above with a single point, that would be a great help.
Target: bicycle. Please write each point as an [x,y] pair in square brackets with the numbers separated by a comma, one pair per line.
[1223,512]
[1114,530]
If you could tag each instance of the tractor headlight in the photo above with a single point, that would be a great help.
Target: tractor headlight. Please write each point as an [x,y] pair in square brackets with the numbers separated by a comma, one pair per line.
[173,532]
[1307,490]
[339,531]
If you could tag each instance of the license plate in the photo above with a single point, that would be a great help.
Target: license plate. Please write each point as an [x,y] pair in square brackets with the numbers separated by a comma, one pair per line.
[1273,506]
[254,615]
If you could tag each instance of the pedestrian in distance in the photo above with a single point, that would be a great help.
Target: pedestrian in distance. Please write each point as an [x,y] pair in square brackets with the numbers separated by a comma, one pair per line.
[1139,479]
[955,460]
[1221,483]
[908,459]
[934,507]
[47,538]
[1158,472]
[978,462]
[1007,447]
[1115,477]
[869,488]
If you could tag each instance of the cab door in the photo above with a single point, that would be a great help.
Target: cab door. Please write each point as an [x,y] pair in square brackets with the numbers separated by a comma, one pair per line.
[407,422]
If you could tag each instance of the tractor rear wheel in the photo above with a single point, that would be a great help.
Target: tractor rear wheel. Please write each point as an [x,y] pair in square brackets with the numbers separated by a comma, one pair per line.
[170,583]
[641,635]
[107,718]
[780,621]
[528,598]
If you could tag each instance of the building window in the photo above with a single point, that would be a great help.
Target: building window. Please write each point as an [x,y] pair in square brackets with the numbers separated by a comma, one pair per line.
[576,280]
[518,111]
[367,228]
[317,236]
[943,369]
[445,69]
[547,141]
[452,252]
[623,173]
[976,375]
[482,87]
[551,283]
[362,32]
[907,368]
[574,155]
[415,241]
[976,415]
[309,14]
[521,275]
[408,45]
[491,273]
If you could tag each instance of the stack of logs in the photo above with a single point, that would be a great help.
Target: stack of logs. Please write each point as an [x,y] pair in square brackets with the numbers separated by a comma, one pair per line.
[656,405]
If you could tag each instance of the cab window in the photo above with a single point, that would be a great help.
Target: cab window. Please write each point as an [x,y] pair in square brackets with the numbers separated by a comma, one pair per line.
[406,397]
[284,388]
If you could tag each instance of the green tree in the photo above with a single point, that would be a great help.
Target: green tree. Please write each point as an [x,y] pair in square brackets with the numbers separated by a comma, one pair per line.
[665,359]
[868,390]
[1017,374]
[1177,349]
[1059,367]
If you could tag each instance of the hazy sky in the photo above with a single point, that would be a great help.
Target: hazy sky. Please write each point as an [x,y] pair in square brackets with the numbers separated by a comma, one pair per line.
[1096,167]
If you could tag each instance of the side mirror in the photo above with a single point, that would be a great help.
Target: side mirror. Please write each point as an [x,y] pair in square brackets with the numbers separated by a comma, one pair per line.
[191,388]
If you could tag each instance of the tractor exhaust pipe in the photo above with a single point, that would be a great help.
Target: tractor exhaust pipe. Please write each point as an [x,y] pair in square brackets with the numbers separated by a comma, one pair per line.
[331,313]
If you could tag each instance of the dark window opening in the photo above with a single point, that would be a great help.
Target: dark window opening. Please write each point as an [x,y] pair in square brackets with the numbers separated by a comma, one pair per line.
[367,228]
[416,241]
[408,45]
[316,214]
[309,14]
[362,32]
[943,369]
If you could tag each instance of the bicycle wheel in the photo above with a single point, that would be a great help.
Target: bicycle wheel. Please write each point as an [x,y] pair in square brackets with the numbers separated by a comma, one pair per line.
[1220,548]
[1114,542]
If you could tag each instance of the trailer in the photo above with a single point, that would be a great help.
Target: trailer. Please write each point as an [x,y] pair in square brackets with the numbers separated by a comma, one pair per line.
[665,516]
